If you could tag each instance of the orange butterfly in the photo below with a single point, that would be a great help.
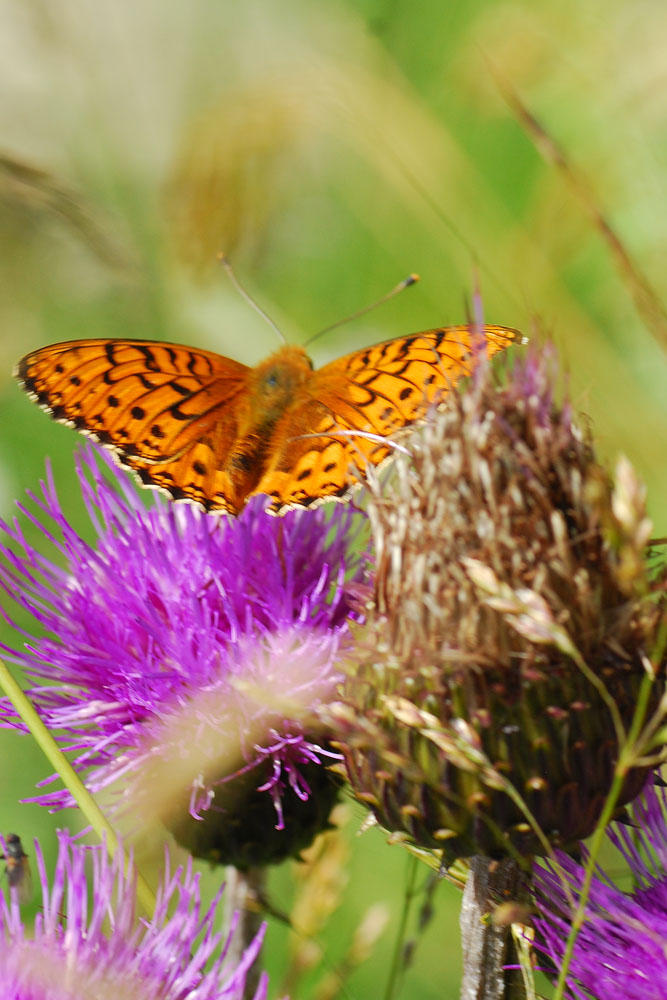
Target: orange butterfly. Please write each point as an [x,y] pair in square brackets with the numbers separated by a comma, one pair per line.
[208,429]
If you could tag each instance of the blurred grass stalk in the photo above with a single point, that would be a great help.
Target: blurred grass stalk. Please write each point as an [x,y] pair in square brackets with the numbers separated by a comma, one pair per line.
[57,759]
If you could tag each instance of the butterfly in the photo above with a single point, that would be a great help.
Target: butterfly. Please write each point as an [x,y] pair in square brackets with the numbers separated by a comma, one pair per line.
[208,429]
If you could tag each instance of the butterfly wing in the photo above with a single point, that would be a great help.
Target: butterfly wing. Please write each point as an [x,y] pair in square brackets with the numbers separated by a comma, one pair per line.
[355,403]
[169,412]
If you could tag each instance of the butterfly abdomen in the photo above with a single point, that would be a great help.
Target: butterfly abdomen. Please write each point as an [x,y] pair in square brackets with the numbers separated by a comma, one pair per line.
[274,387]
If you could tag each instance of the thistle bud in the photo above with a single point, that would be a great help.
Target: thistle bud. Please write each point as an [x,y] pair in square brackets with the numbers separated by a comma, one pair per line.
[511,626]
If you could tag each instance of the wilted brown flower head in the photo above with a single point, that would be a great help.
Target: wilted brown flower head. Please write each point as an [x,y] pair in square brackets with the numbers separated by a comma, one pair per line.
[511,608]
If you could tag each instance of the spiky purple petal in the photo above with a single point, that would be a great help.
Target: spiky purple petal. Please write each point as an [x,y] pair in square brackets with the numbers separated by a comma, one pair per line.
[619,953]
[91,944]
[162,606]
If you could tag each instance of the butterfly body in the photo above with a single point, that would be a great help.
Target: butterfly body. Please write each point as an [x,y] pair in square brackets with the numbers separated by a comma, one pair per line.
[208,429]
[277,389]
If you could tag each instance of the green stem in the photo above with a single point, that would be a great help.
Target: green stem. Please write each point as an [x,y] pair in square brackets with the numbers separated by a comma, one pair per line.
[71,781]
[626,760]
[392,982]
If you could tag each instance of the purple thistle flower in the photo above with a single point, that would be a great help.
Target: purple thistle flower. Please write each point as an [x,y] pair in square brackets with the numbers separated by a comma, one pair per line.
[91,944]
[619,953]
[173,611]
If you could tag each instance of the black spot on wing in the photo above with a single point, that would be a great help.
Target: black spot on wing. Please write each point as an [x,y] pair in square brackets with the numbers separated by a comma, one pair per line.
[177,414]
[196,360]
[177,492]
[149,358]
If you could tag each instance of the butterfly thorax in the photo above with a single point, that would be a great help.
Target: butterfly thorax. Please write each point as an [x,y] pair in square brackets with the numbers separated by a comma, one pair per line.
[274,386]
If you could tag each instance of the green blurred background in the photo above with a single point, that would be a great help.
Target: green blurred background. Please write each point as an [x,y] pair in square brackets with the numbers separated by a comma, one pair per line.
[330,149]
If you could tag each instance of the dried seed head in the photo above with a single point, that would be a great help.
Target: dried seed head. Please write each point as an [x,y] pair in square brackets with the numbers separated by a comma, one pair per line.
[510,581]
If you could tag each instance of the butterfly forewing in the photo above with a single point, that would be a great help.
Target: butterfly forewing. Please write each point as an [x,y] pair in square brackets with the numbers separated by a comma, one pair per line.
[143,396]
[208,429]
[393,383]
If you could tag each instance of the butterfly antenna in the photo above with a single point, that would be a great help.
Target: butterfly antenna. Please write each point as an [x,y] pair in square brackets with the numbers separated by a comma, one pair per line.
[411,279]
[249,299]
[477,301]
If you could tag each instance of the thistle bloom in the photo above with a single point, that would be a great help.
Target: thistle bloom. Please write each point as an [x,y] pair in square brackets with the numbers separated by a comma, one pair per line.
[619,953]
[512,606]
[177,631]
[91,945]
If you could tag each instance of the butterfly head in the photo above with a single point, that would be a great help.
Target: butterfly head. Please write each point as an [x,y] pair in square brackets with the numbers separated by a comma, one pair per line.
[276,381]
